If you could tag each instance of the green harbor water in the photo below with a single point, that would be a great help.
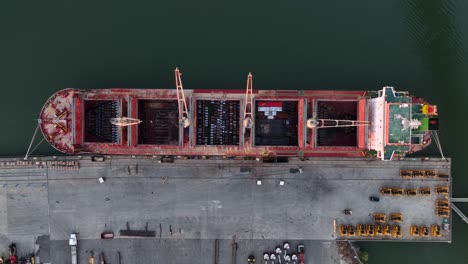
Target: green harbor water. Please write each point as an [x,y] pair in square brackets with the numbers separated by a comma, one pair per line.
[418,46]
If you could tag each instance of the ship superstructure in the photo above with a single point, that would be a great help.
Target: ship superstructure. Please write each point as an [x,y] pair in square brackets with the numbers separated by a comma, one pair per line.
[238,123]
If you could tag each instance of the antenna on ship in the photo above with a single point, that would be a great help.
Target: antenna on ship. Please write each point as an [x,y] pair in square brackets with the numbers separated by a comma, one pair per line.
[183,111]
[248,121]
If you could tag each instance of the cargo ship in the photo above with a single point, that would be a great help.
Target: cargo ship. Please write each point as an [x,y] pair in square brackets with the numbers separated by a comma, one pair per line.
[385,124]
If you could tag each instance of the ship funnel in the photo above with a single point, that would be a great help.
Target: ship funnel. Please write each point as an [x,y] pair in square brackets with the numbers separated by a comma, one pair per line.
[125,121]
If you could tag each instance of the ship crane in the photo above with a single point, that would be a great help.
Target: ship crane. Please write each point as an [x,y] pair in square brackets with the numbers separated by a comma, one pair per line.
[248,121]
[328,123]
[183,110]
[124,121]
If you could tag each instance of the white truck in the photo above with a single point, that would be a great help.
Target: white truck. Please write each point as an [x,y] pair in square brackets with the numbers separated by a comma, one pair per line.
[73,242]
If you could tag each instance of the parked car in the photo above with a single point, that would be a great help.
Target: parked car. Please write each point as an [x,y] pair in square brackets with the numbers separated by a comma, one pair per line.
[446,224]
[107,235]
[443,175]
[98,158]
[374,199]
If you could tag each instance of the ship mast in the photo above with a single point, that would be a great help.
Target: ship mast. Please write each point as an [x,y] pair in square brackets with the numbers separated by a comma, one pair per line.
[183,111]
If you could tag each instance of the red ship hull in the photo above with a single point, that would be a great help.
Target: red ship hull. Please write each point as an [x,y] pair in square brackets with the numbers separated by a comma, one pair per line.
[76,121]
[128,98]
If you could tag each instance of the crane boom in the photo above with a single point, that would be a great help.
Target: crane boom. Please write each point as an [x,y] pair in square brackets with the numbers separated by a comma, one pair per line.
[183,110]
[248,121]
[328,123]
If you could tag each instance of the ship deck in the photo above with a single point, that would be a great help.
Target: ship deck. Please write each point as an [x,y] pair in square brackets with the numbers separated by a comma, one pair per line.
[79,121]
[204,200]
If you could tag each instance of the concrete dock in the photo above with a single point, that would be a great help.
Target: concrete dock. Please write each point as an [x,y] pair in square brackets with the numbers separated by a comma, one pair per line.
[192,202]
